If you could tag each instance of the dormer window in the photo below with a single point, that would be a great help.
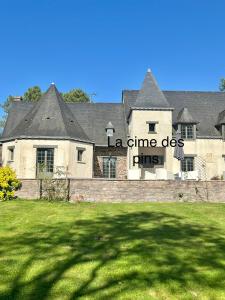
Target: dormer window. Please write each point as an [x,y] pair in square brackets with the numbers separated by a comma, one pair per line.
[186,124]
[187,131]
[151,126]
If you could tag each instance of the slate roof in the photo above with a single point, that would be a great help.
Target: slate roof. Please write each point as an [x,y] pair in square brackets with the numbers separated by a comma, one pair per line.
[49,117]
[150,96]
[94,117]
[184,116]
[52,118]
[203,106]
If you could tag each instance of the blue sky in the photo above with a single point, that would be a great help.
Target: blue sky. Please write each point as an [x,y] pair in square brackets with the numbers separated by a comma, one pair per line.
[104,46]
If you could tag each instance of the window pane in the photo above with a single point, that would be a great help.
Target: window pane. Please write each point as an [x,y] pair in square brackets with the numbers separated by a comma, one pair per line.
[190,131]
[109,167]
[105,167]
[187,131]
[112,168]
[183,131]
[50,159]
[11,153]
[79,155]
[151,127]
[45,160]
[187,164]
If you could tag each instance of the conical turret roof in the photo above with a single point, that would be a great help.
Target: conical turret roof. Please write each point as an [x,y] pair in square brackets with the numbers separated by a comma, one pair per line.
[50,118]
[150,95]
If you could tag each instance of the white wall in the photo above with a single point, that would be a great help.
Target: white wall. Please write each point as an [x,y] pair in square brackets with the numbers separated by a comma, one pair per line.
[65,157]
[208,151]
[139,128]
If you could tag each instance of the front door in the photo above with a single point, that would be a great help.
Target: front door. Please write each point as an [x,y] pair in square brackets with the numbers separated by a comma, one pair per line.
[45,162]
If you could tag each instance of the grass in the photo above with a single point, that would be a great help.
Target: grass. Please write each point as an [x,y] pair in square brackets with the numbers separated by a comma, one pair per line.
[112,251]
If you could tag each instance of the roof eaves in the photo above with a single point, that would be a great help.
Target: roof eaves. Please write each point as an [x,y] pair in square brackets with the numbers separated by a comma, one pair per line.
[5,139]
[152,108]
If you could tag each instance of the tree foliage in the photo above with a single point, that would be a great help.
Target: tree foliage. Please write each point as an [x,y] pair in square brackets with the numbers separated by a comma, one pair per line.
[76,95]
[33,94]
[7,103]
[5,106]
[222,85]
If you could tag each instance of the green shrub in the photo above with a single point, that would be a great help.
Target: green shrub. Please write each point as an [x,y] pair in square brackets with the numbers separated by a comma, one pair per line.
[8,183]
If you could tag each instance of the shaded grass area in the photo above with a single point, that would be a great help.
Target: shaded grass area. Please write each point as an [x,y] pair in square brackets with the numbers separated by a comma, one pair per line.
[111,251]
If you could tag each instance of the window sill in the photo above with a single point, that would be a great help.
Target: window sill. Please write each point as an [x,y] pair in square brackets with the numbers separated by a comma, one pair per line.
[10,161]
[81,162]
[152,132]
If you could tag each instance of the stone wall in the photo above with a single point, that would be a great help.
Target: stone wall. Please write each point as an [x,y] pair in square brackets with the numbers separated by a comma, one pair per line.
[121,161]
[102,190]
[30,189]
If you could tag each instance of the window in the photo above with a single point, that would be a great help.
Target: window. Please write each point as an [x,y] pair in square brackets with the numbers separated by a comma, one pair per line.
[45,160]
[11,153]
[109,167]
[187,164]
[187,131]
[151,126]
[80,152]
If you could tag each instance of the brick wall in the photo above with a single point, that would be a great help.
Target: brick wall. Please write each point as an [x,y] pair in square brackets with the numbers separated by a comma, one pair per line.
[121,161]
[102,190]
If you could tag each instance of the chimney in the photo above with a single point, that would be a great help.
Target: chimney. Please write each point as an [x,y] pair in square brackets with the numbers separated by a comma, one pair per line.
[17,98]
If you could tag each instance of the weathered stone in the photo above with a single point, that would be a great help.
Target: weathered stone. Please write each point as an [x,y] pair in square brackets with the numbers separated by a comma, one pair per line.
[105,190]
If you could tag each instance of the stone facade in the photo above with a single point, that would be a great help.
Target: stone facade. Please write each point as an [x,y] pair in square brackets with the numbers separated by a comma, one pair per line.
[103,190]
[121,161]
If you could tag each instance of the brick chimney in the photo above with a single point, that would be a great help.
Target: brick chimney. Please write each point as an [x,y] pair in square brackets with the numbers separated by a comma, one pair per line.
[17,98]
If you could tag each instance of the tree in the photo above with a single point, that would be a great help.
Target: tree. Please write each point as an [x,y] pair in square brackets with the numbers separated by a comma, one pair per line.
[222,85]
[7,103]
[76,95]
[5,106]
[33,94]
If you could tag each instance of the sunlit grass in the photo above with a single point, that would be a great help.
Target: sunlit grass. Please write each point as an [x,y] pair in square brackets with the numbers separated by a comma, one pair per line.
[112,251]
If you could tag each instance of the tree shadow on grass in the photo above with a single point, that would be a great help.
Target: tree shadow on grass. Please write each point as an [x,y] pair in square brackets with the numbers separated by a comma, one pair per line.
[104,257]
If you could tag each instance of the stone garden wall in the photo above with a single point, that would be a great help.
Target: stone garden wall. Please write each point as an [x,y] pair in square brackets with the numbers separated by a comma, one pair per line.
[102,190]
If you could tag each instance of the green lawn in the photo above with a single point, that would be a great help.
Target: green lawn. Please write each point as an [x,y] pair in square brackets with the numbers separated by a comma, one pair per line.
[112,251]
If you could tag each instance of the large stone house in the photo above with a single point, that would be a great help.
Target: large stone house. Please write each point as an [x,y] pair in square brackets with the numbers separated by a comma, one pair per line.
[58,139]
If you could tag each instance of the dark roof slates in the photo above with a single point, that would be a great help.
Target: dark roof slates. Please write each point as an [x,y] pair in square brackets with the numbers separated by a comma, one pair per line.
[150,95]
[50,116]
